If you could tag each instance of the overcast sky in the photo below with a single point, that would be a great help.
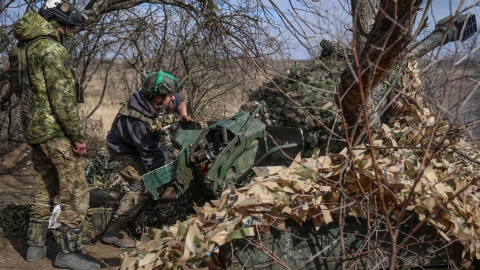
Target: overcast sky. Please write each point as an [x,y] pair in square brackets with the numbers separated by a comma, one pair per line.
[337,20]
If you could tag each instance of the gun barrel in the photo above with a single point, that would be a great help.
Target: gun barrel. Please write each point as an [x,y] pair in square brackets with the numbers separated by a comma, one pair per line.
[433,41]
[458,28]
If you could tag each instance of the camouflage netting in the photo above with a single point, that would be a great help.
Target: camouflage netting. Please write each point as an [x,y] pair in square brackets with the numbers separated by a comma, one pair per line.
[102,173]
[304,97]
[14,220]
[442,192]
[156,215]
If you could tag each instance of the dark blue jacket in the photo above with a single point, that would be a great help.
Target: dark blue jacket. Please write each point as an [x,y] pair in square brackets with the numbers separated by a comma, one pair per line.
[134,136]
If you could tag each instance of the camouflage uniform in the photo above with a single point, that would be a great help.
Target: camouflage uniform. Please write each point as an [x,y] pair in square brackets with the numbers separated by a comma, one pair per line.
[144,153]
[135,144]
[59,172]
[131,168]
[51,122]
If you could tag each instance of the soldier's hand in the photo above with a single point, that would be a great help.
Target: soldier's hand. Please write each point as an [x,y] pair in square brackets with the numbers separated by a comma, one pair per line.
[80,148]
[185,118]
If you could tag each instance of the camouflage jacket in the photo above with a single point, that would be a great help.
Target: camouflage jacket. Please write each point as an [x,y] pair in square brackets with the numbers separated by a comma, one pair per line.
[49,107]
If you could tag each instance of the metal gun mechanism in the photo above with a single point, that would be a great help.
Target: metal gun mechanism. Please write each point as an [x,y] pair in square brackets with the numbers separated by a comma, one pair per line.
[224,154]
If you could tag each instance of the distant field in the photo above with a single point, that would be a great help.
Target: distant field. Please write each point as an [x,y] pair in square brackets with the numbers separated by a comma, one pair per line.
[116,91]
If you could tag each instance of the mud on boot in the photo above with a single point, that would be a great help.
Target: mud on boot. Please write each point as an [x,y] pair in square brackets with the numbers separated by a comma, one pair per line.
[36,236]
[116,234]
[70,255]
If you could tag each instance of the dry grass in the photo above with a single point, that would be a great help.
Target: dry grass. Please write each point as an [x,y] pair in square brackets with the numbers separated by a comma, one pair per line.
[104,115]
[104,109]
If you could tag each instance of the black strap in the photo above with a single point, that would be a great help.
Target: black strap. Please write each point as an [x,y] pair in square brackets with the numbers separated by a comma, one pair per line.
[27,44]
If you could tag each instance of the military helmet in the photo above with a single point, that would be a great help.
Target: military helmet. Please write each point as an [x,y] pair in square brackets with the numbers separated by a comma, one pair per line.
[61,10]
[327,48]
[333,49]
[159,83]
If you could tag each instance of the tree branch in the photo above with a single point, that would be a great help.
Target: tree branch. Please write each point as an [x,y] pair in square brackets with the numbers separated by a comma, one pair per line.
[391,35]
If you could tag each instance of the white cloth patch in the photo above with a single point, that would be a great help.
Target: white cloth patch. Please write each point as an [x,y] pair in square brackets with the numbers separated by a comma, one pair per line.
[52,3]
[54,222]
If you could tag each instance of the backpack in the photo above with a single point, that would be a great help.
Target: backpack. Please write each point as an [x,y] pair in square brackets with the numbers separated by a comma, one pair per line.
[19,78]
[18,58]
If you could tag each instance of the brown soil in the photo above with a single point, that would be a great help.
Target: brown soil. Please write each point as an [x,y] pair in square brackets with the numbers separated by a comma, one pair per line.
[16,187]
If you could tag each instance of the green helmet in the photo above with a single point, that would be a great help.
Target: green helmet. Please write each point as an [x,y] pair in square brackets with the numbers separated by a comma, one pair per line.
[159,83]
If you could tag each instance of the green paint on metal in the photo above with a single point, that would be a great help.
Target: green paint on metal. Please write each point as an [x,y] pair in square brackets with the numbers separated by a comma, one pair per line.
[186,135]
[160,177]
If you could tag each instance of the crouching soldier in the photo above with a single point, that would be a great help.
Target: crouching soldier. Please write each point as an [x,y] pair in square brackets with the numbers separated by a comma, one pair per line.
[53,128]
[136,146]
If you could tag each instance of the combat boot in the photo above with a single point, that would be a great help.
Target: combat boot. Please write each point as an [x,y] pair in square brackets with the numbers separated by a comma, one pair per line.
[70,255]
[37,233]
[116,234]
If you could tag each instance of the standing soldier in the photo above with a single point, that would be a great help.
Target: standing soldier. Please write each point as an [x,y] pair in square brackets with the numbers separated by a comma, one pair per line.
[53,128]
[137,148]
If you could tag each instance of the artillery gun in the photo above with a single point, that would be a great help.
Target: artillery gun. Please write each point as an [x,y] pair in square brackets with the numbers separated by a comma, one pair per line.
[225,153]
[448,29]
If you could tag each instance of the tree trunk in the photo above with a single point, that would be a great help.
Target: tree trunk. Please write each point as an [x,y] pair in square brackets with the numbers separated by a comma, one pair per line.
[386,42]
[364,12]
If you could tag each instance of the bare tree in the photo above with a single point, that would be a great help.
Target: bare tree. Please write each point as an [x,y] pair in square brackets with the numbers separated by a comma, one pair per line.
[213,48]
[192,39]
[386,43]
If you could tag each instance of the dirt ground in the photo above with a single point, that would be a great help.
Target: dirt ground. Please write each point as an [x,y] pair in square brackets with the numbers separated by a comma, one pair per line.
[16,186]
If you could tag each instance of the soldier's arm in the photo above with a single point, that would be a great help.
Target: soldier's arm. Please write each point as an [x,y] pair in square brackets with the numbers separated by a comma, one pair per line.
[182,111]
[61,91]
[180,107]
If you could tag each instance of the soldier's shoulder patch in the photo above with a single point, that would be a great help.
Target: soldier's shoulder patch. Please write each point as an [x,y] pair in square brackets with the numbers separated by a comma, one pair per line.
[67,65]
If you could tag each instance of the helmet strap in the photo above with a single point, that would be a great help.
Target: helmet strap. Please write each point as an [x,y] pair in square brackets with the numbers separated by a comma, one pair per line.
[163,101]
[64,38]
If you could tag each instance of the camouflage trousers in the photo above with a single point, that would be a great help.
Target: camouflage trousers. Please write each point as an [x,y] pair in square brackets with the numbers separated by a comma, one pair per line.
[59,172]
[131,168]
